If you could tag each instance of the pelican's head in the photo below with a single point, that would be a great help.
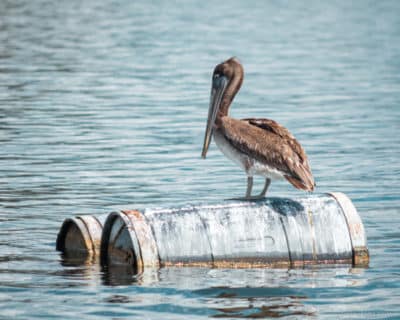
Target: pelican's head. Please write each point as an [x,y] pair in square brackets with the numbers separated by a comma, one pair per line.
[226,81]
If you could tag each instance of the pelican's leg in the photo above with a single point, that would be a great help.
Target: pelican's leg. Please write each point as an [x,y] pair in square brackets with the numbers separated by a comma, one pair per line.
[264,190]
[259,196]
[248,190]
[248,195]
[249,187]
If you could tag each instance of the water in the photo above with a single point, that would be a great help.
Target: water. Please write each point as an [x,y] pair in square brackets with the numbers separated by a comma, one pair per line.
[103,106]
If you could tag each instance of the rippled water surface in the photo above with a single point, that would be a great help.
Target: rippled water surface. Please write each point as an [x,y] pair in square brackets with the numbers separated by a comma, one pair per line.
[103,106]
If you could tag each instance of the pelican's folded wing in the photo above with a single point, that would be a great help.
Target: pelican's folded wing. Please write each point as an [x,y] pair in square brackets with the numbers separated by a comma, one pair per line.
[269,142]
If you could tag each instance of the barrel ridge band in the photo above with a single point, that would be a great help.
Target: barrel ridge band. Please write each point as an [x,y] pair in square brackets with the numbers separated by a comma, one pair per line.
[287,241]
[92,229]
[206,229]
[144,237]
[153,233]
[356,229]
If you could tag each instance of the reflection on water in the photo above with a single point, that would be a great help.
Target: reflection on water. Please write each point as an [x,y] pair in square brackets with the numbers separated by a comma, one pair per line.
[270,308]
[118,275]
[237,293]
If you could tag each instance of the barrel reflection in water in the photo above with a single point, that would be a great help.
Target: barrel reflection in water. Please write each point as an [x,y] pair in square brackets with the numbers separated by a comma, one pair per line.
[277,232]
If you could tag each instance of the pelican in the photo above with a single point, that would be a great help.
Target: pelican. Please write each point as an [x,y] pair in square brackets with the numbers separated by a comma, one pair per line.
[259,146]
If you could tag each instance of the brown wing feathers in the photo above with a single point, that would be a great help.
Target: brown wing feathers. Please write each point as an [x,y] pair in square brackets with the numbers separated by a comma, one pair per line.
[269,142]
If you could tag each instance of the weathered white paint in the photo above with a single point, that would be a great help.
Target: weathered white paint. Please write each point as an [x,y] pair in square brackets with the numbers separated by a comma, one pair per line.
[277,231]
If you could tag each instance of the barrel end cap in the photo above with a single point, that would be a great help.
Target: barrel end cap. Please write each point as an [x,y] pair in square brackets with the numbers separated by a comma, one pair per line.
[74,238]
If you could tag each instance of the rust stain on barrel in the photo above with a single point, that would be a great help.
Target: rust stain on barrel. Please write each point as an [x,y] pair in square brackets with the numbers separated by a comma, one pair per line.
[94,229]
[361,256]
[232,264]
[249,263]
[135,213]
[147,243]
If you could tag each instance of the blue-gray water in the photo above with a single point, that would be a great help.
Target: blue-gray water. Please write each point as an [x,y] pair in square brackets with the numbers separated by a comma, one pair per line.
[103,106]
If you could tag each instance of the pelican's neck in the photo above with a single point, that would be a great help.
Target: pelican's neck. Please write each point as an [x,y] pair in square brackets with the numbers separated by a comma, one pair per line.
[230,92]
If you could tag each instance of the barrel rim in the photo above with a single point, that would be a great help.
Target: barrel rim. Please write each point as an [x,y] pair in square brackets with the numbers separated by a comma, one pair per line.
[105,238]
[355,227]
[144,235]
[92,228]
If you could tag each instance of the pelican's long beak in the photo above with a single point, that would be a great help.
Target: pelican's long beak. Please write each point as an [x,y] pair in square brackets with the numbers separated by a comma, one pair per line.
[217,92]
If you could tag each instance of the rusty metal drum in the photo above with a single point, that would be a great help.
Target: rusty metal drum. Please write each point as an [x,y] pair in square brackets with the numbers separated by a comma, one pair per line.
[81,235]
[276,232]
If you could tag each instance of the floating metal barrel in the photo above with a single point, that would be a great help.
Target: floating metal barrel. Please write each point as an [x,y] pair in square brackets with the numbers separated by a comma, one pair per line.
[81,235]
[277,232]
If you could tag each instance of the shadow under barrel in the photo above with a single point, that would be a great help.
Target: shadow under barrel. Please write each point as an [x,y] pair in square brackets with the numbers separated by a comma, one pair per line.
[277,232]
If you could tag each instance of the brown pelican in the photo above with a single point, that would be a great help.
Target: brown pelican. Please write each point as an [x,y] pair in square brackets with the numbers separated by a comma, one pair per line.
[259,146]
